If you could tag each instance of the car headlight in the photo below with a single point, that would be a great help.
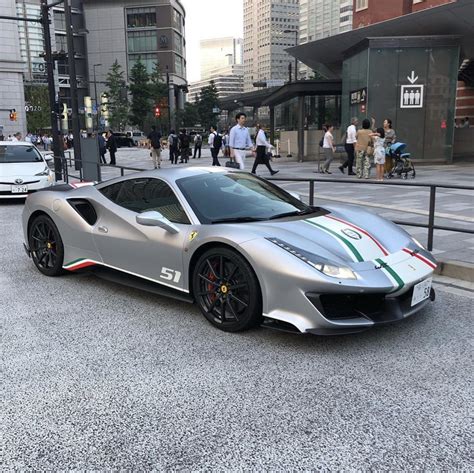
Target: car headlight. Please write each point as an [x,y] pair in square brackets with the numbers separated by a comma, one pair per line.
[417,243]
[45,172]
[328,269]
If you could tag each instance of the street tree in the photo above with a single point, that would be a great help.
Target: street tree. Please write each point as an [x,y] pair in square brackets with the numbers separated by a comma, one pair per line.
[188,117]
[38,112]
[140,88]
[207,103]
[116,91]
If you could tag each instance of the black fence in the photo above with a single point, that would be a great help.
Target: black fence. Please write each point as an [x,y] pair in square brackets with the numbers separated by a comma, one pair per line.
[69,162]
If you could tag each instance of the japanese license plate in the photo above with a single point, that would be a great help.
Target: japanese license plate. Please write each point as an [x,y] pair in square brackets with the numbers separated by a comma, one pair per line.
[19,189]
[421,291]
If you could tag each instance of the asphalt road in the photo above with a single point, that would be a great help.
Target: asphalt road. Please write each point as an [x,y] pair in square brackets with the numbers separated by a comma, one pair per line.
[96,376]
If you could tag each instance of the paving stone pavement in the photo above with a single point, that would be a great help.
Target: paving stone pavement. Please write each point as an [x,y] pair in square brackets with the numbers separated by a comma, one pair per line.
[454,207]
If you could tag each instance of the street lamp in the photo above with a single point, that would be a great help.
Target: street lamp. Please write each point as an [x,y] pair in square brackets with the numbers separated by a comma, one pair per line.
[95,94]
[296,44]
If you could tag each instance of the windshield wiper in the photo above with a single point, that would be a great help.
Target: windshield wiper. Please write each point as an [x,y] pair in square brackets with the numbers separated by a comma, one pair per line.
[295,213]
[238,219]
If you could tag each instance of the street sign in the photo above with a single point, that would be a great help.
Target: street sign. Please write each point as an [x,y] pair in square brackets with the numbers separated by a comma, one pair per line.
[216,110]
[358,96]
[411,95]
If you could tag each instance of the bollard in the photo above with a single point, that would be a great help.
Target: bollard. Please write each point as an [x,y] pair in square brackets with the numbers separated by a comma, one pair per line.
[289,155]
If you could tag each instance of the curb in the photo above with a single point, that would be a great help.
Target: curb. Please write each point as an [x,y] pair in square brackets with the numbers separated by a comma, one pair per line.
[456,270]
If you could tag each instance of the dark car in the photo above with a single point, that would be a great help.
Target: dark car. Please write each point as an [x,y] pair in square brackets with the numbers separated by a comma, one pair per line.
[124,141]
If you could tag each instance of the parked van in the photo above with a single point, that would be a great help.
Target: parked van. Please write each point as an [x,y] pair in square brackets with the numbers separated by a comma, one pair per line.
[137,136]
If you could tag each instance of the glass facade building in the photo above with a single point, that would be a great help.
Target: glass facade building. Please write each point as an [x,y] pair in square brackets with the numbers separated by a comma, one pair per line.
[411,81]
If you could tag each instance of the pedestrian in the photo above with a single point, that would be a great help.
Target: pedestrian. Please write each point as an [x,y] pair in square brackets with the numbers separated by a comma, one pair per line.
[16,136]
[184,146]
[328,149]
[390,139]
[112,146]
[349,147]
[239,140]
[379,152]
[154,145]
[102,148]
[466,123]
[225,143]
[28,137]
[173,147]
[263,151]
[197,145]
[215,144]
[364,142]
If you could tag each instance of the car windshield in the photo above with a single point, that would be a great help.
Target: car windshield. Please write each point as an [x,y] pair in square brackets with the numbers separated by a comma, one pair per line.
[19,154]
[237,197]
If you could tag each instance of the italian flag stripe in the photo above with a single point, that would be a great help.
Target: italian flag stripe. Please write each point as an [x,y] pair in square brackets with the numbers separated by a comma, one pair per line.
[352,250]
[392,273]
[361,230]
[79,264]
[420,257]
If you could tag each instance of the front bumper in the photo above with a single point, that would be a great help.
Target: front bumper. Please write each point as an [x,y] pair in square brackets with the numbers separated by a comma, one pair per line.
[34,184]
[353,313]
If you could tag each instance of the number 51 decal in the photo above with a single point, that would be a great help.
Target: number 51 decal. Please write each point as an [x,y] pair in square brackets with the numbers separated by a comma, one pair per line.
[170,275]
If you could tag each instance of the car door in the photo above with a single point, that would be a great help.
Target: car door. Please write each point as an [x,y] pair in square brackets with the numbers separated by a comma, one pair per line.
[149,252]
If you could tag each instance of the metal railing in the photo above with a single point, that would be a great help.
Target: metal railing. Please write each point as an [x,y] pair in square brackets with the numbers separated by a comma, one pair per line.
[430,225]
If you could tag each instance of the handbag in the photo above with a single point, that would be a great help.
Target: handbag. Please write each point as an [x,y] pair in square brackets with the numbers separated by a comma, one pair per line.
[232,164]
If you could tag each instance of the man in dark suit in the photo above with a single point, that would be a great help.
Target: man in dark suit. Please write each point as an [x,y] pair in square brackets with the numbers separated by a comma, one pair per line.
[111,146]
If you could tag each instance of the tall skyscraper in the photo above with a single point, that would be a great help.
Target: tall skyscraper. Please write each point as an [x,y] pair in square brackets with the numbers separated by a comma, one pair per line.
[320,18]
[219,53]
[265,39]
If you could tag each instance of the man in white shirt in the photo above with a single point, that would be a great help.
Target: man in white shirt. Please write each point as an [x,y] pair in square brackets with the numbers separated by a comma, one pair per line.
[239,140]
[351,139]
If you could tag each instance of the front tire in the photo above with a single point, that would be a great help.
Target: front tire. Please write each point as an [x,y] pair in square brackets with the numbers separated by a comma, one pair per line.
[227,290]
[46,246]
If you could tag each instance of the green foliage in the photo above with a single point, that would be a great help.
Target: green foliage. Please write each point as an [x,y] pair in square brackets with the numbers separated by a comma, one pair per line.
[117,94]
[158,87]
[208,100]
[37,97]
[188,117]
[141,94]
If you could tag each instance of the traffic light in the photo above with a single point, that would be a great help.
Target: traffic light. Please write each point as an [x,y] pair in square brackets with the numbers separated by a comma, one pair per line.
[13,115]
[157,112]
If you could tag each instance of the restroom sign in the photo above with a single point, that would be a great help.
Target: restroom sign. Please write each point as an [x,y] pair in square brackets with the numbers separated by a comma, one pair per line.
[411,96]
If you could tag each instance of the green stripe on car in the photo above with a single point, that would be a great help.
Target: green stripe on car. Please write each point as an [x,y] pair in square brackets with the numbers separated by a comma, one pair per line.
[346,242]
[392,273]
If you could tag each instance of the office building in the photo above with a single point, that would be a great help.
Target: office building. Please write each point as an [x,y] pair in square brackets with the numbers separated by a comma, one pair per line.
[229,80]
[320,19]
[11,73]
[219,53]
[126,30]
[270,27]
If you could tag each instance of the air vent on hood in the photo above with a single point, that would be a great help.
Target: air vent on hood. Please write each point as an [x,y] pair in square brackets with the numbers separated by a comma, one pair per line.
[85,209]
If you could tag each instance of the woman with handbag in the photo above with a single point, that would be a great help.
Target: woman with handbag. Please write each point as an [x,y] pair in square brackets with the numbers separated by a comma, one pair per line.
[263,151]
[363,148]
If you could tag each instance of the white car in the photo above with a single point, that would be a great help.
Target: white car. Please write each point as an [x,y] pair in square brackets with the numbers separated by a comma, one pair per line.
[22,170]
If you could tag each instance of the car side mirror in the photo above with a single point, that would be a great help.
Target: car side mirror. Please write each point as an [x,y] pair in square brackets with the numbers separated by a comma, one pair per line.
[48,156]
[155,219]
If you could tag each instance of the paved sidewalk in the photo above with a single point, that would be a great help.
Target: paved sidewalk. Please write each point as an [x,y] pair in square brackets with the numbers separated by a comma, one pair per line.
[454,208]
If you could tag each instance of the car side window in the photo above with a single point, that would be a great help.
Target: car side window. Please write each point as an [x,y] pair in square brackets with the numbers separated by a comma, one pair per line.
[143,195]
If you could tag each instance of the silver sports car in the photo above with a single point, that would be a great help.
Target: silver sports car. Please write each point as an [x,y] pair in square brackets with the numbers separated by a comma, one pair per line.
[245,250]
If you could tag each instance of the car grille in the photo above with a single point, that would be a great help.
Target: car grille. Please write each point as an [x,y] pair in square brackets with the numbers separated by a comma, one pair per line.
[22,184]
[376,307]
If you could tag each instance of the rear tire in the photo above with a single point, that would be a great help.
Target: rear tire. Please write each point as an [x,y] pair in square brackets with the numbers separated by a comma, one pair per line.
[227,290]
[46,246]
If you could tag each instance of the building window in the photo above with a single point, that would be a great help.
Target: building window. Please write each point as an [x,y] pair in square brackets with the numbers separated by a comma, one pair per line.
[59,20]
[178,65]
[149,60]
[141,17]
[177,21]
[362,4]
[142,41]
[178,43]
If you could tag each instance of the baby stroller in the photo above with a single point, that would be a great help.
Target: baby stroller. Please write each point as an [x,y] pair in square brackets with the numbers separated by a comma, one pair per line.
[402,163]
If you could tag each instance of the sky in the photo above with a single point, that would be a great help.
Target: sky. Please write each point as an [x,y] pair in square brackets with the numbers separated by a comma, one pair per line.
[207,19]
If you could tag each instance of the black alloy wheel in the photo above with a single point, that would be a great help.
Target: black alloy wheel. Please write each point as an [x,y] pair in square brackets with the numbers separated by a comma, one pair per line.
[227,290]
[46,246]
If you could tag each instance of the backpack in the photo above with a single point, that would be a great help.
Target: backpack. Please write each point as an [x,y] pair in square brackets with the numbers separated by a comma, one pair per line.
[172,141]
[184,141]
[198,139]
[217,143]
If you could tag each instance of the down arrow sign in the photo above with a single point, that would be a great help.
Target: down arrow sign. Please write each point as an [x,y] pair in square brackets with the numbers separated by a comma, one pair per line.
[412,79]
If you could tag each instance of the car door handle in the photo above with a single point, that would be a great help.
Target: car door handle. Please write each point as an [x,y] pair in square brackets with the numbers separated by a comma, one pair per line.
[103,230]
